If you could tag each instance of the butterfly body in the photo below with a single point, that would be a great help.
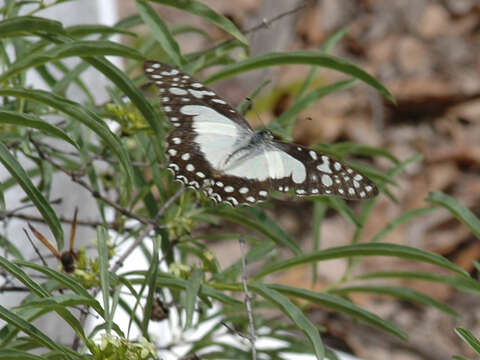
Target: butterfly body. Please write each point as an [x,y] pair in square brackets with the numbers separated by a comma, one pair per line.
[212,148]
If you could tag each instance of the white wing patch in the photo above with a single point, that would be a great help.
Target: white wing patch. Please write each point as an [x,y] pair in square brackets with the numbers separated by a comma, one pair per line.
[270,163]
[216,134]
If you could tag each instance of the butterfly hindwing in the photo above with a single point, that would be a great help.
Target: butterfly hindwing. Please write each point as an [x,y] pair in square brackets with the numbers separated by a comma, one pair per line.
[323,175]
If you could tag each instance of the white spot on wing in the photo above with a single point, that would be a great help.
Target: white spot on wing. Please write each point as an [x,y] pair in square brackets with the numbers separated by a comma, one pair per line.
[185,156]
[190,167]
[327,180]
[313,154]
[229,189]
[172,152]
[176,140]
[177,91]
[243,190]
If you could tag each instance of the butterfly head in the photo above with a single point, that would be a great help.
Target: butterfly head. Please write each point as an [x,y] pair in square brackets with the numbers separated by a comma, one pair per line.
[265,135]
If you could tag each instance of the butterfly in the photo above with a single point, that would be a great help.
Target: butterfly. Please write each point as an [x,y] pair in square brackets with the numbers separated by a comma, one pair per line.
[213,148]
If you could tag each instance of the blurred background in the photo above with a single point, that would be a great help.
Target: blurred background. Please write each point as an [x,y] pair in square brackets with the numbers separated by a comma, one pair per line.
[427,53]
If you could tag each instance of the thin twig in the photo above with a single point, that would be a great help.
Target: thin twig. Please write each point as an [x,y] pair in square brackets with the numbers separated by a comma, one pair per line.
[264,24]
[146,231]
[35,248]
[96,194]
[267,22]
[248,299]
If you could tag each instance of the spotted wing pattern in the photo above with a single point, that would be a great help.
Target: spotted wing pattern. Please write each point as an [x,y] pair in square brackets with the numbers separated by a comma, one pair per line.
[212,148]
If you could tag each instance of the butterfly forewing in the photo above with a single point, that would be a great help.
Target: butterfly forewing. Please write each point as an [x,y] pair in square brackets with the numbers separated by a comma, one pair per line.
[214,149]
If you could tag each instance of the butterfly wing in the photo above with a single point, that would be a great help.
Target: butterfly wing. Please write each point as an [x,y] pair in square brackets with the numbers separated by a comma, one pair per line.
[314,173]
[207,131]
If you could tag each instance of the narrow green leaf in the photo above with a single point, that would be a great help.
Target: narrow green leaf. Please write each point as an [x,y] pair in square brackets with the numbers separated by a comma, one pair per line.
[334,39]
[12,354]
[193,287]
[62,278]
[398,292]
[469,338]
[402,219]
[16,118]
[80,113]
[161,33]
[202,10]
[461,212]
[23,277]
[287,118]
[34,332]
[258,220]
[459,357]
[319,211]
[16,170]
[80,31]
[370,249]
[125,84]
[459,282]
[10,248]
[29,25]
[102,239]
[81,48]
[294,313]
[301,57]
[151,281]
[341,305]
[47,305]
[245,105]
[205,290]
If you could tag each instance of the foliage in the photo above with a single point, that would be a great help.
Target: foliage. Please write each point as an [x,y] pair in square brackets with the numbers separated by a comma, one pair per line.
[127,135]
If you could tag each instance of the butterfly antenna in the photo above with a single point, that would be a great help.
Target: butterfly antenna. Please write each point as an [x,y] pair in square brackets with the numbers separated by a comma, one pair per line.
[44,241]
[73,230]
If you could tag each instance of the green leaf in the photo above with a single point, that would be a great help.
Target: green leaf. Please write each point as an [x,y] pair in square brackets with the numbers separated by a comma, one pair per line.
[469,338]
[294,313]
[81,48]
[459,282]
[28,25]
[193,288]
[80,31]
[334,39]
[370,249]
[457,209]
[10,248]
[398,292]
[16,118]
[205,290]
[161,33]
[23,277]
[35,333]
[65,280]
[300,57]
[287,118]
[405,217]
[151,280]
[202,10]
[258,220]
[12,354]
[82,114]
[341,305]
[102,239]
[16,170]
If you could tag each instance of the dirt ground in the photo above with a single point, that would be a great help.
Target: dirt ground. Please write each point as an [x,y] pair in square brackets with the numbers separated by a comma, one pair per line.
[427,53]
